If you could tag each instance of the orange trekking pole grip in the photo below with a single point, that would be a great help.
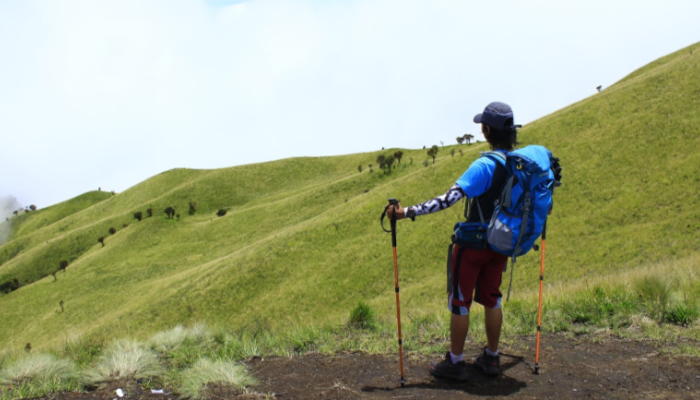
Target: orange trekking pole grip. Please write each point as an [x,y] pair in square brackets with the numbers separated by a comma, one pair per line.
[539,307]
[393,203]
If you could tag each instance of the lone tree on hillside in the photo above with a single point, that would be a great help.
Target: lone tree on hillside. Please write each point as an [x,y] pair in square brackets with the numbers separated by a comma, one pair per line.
[359,168]
[221,212]
[112,231]
[149,211]
[138,215]
[460,139]
[398,155]
[381,159]
[32,207]
[433,152]
[101,240]
[62,265]
[170,212]
[468,138]
[388,163]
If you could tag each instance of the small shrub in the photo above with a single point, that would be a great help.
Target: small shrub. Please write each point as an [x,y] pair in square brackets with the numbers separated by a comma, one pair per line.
[221,212]
[460,152]
[426,163]
[125,225]
[177,216]
[452,152]
[138,215]
[62,265]
[32,207]
[170,212]
[359,168]
[682,314]
[149,211]
[101,240]
[193,207]
[362,317]
[60,304]
[9,286]
[112,231]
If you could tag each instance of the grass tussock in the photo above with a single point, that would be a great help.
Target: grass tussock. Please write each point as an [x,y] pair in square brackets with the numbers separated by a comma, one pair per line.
[362,317]
[37,367]
[170,340]
[35,375]
[206,371]
[124,358]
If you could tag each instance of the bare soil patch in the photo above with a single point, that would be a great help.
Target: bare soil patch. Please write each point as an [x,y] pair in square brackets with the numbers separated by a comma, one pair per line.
[585,368]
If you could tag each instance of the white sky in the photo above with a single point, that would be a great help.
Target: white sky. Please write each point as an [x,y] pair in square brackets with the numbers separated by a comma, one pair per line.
[108,93]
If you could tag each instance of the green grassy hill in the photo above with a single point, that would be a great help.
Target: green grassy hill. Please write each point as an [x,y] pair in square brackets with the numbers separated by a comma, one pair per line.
[301,244]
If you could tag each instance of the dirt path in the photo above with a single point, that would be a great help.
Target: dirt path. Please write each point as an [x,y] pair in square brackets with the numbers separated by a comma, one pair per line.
[581,368]
[601,369]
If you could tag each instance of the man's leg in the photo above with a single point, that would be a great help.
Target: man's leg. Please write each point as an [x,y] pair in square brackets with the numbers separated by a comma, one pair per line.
[493,318]
[459,327]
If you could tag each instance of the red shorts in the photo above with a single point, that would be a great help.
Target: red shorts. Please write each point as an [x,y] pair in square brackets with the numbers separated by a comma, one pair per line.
[476,275]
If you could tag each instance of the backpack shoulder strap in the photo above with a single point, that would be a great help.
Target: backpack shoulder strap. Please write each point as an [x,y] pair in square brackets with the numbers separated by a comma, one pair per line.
[496,155]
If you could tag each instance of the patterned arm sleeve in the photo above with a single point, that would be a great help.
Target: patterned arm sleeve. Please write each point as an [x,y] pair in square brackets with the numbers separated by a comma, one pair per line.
[437,204]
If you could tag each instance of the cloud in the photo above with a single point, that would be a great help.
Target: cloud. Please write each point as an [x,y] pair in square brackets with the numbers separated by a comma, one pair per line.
[7,206]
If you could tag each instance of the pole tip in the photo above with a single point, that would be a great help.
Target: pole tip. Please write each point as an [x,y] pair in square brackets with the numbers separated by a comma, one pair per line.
[403,382]
[537,369]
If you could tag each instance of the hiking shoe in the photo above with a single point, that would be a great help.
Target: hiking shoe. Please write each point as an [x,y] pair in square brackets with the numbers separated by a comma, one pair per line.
[446,369]
[491,365]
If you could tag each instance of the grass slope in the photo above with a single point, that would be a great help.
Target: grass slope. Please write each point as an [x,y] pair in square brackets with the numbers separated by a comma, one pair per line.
[300,244]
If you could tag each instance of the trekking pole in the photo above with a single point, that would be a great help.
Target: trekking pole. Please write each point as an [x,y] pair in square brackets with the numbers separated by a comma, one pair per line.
[393,203]
[539,308]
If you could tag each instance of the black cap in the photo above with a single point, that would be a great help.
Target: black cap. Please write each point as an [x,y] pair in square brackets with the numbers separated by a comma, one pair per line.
[496,115]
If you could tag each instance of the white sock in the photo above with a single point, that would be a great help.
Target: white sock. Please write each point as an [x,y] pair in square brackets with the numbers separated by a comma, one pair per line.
[455,359]
[491,353]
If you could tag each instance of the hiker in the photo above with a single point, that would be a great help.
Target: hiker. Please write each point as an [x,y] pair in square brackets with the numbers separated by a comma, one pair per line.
[476,272]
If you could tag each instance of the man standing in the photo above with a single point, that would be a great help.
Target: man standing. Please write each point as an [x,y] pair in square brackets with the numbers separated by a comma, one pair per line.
[476,269]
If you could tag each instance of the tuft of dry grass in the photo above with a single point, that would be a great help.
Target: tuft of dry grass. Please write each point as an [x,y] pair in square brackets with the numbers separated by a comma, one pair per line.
[124,358]
[206,371]
[38,368]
